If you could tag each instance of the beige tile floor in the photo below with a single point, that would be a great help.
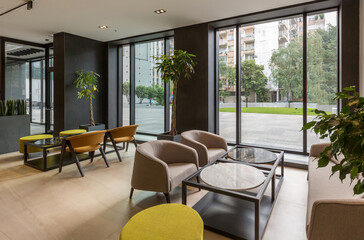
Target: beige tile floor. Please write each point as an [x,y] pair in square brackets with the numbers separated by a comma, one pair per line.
[52,205]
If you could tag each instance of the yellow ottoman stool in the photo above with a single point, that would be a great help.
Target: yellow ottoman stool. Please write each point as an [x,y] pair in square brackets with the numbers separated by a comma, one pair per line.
[32,138]
[71,132]
[164,222]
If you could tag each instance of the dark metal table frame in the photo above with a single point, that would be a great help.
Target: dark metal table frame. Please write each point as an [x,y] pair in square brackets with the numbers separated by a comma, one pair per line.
[244,199]
[46,162]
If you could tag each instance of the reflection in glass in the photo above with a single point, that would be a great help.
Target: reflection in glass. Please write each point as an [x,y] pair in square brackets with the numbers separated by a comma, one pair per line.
[126,84]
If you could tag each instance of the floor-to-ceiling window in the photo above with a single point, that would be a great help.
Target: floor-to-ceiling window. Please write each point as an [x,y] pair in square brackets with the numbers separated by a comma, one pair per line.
[272,91]
[149,88]
[145,96]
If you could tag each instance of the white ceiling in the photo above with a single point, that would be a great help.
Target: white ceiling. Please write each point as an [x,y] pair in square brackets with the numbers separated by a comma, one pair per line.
[125,18]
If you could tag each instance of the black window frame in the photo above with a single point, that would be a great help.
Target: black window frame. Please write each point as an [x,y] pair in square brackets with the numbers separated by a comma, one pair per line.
[131,43]
[237,26]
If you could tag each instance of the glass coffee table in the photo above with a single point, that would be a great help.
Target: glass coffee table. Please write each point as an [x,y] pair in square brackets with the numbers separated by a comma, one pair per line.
[48,161]
[251,155]
[237,204]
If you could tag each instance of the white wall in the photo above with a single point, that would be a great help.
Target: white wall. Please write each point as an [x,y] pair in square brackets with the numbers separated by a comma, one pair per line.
[361,49]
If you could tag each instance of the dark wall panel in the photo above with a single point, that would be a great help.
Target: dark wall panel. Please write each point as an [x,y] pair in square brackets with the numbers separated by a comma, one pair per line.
[112,76]
[194,106]
[78,53]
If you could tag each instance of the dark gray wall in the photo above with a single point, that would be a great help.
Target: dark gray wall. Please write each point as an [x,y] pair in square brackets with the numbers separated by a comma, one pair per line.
[195,97]
[73,53]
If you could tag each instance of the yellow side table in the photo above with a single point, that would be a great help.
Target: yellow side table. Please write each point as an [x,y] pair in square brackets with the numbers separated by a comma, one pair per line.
[164,222]
[31,138]
[71,132]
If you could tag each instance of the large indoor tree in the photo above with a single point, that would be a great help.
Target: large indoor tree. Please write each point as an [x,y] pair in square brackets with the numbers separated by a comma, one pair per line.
[174,67]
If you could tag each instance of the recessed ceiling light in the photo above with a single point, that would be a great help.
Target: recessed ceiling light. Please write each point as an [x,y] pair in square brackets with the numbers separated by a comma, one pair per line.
[51,35]
[103,27]
[159,11]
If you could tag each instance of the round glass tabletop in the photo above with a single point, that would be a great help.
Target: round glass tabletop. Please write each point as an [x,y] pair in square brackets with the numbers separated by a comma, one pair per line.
[232,176]
[252,155]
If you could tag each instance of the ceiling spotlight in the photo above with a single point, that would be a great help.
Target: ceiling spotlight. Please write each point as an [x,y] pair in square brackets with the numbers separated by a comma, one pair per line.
[51,35]
[103,27]
[159,11]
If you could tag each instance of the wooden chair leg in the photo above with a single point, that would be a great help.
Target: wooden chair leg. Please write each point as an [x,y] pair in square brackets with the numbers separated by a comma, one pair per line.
[131,193]
[77,162]
[127,146]
[116,148]
[62,155]
[104,156]
[92,154]
[167,197]
[135,143]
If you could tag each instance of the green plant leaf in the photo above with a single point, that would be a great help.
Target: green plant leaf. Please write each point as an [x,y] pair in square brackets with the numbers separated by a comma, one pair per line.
[309,125]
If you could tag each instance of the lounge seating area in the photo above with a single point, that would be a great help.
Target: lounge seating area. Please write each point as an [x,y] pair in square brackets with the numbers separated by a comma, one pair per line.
[208,120]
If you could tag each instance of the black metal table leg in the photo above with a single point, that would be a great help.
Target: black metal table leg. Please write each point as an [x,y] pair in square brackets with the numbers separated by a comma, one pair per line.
[257,220]
[184,198]
[44,159]
[25,153]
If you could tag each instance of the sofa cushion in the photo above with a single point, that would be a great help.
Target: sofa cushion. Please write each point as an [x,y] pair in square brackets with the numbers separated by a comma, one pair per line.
[214,153]
[322,187]
[179,171]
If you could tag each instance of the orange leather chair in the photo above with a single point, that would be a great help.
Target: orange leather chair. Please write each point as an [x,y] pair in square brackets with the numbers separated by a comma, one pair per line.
[121,135]
[86,142]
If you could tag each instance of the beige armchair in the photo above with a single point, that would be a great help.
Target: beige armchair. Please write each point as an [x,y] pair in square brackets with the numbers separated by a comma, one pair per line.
[161,165]
[209,146]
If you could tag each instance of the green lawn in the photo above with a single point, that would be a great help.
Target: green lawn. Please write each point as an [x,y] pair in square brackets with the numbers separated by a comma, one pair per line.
[273,110]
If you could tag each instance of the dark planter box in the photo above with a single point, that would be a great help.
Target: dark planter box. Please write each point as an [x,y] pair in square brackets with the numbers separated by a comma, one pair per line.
[166,136]
[11,129]
[89,128]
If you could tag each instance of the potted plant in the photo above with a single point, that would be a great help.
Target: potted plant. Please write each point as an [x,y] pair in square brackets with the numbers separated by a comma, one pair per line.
[14,124]
[346,133]
[86,82]
[173,68]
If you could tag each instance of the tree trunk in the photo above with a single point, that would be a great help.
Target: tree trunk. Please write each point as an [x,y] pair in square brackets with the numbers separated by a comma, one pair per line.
[92,123]
[173,131]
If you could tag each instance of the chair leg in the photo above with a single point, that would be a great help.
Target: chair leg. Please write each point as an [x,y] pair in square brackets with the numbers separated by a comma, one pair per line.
[167,197]
[62,155]
[92,154]
[77,162]
[116,148]
[104,156]
[131,193]
[105,141]
[134,141]
[127,146]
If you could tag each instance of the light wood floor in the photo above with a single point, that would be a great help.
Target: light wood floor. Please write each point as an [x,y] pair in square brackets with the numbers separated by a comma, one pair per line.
[37,205]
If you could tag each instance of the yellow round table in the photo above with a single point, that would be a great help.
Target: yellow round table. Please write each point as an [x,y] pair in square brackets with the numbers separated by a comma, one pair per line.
[32,138]
[71,132]
[164,222]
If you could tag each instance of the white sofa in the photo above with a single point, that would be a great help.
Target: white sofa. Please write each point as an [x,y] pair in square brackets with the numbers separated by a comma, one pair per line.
[333,212]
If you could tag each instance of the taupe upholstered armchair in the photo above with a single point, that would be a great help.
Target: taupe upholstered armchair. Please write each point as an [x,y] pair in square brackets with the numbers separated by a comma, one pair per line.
[161,165]
[209,146]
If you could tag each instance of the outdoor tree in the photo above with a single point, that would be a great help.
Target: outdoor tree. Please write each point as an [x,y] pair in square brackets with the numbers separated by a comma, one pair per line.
[287,65]
[159,94]
[126,91]
[141,93]
[254,80]
[150,93]
[227,76]
[286,69]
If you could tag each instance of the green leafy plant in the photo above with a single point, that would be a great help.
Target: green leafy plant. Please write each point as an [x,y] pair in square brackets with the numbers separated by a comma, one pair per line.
[21,108]
[346,133]
[86,82]
[173,68]
[2,108]
[141,93]
[10,107]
